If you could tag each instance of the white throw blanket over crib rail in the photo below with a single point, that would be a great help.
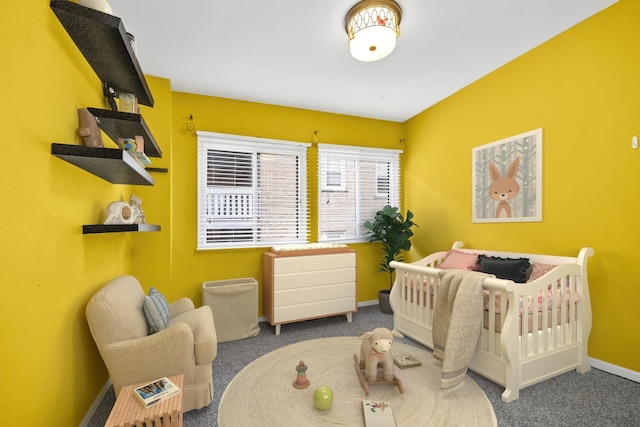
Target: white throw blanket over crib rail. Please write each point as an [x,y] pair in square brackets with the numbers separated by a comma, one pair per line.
[531,331]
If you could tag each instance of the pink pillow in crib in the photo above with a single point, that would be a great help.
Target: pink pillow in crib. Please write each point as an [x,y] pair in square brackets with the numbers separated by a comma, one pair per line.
[460,260]
[539,270]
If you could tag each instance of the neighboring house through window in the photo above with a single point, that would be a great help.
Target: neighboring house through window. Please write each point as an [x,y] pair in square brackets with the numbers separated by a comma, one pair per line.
[251,191]
[333,174]
[355,182]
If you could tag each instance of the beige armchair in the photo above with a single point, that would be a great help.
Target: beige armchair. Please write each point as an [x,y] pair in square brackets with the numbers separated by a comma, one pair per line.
[187,346]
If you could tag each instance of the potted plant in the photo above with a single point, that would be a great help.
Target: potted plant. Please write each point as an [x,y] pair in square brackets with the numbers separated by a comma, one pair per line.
[394,232]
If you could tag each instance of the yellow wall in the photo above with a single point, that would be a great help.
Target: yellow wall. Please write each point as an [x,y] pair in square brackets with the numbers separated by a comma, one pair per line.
[50,369]
[583,89]
[151,252]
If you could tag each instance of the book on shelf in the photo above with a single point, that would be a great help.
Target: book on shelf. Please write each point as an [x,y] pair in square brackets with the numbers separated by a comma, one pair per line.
[155,391]
[377,414]
[138,152]
[128,103]
[405,361]
[142,158]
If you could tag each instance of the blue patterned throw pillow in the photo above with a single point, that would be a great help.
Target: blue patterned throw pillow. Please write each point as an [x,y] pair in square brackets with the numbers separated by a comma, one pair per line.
[156,311]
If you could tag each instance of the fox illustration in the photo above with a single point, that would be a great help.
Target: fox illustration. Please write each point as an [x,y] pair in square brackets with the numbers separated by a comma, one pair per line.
[504,188]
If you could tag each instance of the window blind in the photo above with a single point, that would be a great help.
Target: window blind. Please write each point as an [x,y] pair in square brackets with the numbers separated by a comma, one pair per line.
[251,191]
[354,183]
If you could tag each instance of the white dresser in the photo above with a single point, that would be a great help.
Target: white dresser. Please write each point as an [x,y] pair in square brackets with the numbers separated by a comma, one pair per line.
[308,284]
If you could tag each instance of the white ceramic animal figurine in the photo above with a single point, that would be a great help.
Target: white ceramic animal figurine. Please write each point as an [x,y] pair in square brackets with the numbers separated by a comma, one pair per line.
[376,349]
[504,188]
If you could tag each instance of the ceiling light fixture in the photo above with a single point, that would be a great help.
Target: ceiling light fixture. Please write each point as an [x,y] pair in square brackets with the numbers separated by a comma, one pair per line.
[373,27]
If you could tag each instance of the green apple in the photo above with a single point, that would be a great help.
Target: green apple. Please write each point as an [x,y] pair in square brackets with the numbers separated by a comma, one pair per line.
[323,398]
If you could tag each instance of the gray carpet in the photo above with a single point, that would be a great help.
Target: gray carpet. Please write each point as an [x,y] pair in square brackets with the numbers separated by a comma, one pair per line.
[572,399]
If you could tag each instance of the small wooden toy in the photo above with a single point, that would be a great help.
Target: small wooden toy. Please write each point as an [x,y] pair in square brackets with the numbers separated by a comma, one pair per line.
[88,129]
[301,380]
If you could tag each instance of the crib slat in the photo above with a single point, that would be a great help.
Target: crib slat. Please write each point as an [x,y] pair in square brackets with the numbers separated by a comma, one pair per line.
[556,334]
[491,333]
[418,290]
[403,292]
[544,313]
[565,309]
[504,301]
[570,297]
[430,295]
[535,323]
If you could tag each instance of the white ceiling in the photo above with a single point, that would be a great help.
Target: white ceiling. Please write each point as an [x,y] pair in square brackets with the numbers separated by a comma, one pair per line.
[294,52]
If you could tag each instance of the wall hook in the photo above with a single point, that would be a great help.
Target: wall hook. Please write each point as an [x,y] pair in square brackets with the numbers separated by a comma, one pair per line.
[190,126]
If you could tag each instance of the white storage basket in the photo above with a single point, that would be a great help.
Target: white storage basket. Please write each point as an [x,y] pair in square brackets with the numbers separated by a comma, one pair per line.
[234,304]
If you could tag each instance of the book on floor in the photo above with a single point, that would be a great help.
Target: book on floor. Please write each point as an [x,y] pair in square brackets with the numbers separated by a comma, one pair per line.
[406,361]
[377,414]
[155,391]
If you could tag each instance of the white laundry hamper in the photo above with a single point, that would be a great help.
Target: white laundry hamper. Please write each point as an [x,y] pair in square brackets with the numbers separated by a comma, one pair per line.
[234,304]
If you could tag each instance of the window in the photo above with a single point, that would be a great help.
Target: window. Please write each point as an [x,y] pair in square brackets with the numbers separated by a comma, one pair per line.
[382,179]
[364,180]
[251,191]
[333,174]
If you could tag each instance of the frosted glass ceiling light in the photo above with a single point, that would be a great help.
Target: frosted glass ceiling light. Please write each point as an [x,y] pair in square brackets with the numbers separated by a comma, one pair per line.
[373,27]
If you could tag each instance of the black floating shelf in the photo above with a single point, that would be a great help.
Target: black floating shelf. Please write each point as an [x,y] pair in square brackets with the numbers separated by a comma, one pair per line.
[118,124]
[111,164]
[117,228]
[103,41]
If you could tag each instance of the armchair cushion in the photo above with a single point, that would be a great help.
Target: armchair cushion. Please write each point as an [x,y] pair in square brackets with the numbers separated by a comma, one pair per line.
[180,306]
[205,341]
[156,310]
[169,352]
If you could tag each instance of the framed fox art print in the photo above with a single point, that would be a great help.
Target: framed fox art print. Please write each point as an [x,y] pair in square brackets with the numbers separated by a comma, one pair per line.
[507,179]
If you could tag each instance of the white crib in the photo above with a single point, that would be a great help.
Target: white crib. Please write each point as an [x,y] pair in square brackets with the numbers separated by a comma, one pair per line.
[516,349]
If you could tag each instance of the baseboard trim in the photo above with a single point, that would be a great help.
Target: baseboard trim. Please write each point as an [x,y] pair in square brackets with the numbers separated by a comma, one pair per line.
[96,403]
[368,303]
[615,370]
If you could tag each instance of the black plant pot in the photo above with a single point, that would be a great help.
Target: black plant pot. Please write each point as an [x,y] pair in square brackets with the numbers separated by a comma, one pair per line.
[383,300]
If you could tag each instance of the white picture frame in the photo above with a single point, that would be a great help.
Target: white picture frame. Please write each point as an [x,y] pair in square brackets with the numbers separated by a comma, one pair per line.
[507,179]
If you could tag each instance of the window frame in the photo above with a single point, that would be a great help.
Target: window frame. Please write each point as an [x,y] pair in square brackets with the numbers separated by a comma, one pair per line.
[358,154]
[256,147]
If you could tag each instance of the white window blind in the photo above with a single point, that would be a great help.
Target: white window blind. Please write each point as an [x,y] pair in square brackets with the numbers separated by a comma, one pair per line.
[251,191]
[354,183]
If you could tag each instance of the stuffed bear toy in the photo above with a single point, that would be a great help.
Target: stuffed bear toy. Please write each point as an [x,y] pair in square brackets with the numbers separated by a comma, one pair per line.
[376,349]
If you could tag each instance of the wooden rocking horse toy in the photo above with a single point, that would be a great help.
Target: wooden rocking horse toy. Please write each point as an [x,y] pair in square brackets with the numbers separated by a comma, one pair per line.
[375,351]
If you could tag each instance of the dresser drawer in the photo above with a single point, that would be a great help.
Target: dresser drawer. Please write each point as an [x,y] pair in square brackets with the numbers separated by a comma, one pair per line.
[310,279]
[313,294]
[301,264]
[314,310]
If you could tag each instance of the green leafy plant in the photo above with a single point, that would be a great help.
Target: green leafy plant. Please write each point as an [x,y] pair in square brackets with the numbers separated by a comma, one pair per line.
[394,232]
